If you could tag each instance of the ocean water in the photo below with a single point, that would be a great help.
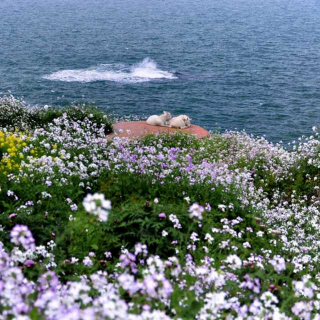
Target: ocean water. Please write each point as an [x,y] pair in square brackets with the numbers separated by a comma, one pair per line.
[234,64]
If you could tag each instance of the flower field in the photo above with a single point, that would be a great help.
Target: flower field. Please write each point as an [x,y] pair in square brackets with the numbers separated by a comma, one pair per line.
[166,227]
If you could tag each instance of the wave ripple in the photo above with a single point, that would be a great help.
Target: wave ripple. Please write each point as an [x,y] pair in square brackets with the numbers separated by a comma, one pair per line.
[144,71]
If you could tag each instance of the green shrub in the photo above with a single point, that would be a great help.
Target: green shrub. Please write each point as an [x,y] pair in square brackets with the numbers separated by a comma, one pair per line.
[17,115]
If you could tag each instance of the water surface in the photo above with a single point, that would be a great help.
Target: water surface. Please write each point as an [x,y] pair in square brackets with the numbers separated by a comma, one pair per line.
[252,65]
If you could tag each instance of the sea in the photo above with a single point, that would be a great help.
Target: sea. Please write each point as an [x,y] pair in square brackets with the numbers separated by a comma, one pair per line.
[248,65]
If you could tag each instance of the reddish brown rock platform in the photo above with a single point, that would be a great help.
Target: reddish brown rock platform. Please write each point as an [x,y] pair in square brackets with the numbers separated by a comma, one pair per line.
[138,129]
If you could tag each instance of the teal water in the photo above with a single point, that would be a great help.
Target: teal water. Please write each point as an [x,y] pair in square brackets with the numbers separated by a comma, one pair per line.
[252,64]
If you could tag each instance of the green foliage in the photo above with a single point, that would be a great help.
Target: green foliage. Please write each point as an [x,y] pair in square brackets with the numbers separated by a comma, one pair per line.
[15,114]
[77,113]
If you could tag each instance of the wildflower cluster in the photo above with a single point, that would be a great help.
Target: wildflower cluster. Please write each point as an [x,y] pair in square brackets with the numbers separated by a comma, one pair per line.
[165,227]
[11,150]
[18,115]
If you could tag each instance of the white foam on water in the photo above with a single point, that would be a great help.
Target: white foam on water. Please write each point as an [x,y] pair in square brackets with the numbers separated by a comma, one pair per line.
[146,70]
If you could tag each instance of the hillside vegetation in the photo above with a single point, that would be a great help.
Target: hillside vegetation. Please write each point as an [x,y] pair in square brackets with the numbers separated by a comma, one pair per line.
[165,227]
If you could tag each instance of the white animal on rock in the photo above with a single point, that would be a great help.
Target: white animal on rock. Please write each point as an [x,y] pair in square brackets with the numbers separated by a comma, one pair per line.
[159,120]
[180,122]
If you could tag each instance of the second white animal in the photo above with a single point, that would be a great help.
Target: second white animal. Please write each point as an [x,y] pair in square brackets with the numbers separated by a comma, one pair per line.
[180,122]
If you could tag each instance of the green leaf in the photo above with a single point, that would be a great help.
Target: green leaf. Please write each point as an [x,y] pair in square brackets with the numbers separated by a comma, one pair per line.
[94,246]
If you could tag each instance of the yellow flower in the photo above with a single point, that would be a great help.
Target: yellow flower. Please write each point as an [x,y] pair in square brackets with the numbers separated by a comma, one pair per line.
[12,144]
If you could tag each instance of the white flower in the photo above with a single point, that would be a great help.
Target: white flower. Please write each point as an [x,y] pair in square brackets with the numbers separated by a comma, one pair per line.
[209,238]
[164,233]
[246,245]
[173,218]
[234,262]
[194,237]
[305,287]
[97,205]
[222,207]
[74,260]
[269,299]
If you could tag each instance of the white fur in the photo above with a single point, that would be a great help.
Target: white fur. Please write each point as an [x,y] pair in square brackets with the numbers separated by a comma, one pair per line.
[159,120]
[180,122]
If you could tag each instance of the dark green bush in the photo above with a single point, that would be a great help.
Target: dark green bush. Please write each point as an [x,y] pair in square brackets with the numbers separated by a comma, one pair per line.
[15,114]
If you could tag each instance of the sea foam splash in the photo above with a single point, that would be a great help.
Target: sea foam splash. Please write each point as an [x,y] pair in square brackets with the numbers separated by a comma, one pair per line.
[146,70]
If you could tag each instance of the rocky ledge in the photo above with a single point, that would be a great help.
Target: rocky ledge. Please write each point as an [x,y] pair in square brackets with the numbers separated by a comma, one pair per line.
[138,129]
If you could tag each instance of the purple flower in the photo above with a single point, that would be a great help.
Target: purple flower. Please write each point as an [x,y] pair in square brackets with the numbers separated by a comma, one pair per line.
[162,215]
[74,207]
[150,285]
[29,263]
[128,259]
[49,280]
[108,254]
[251,284]
[21,235]
[141,248]
[87,262]
[278,263]
[196,211]
[48,183]
[4,261]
